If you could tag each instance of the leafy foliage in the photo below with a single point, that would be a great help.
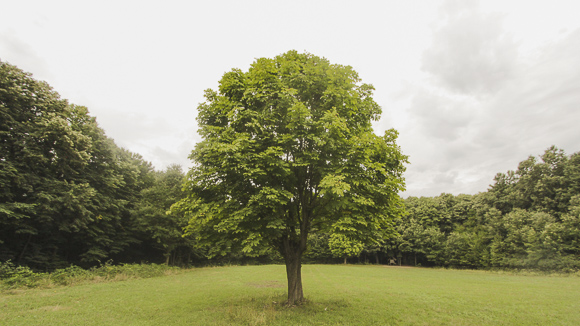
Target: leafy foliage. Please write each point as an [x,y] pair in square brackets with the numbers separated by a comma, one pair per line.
[68,194]
[528,219]
[13,276]
[165,227]
[288,150]
[289,167]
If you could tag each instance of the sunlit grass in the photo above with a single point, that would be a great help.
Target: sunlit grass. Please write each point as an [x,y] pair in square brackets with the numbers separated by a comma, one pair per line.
[336,294]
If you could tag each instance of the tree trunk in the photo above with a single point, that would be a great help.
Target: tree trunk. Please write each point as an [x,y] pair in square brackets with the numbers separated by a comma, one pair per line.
[345,260]
[293,259]
[293,246]
[167,257]
[24,249]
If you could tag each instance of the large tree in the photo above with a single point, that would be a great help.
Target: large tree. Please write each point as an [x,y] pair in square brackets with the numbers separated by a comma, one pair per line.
[67,192]
[163,226]
[288,150]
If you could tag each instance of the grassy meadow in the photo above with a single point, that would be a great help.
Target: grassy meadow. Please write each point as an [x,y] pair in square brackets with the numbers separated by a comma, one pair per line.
[336,294]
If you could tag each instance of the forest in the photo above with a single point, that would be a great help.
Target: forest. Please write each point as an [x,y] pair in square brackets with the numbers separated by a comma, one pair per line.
[528,219]
[70,196]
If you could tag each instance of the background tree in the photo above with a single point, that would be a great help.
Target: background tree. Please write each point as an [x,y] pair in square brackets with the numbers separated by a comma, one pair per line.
[318,249]
[288,150]
[165,227]
[41,155]
[342,246]
[68,193]
[527,219]
[410,239]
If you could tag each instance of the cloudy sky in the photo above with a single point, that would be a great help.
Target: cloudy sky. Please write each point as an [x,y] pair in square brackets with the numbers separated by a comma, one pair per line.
[473,87]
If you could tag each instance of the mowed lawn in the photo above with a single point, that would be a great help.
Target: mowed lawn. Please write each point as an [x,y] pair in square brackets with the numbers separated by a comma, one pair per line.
[337,295]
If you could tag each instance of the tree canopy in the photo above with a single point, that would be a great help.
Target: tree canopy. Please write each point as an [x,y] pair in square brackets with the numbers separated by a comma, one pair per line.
[529,218]
[68,193]
[289,169]
[288,150]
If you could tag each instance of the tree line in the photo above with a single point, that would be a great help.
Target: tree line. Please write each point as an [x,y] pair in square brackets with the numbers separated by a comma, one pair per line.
[70,195]
[529,218]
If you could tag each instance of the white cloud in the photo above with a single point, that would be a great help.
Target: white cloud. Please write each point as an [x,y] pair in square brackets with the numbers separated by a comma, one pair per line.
[484,106]
[158,139]
[472,91]
[471,53]
[440,117]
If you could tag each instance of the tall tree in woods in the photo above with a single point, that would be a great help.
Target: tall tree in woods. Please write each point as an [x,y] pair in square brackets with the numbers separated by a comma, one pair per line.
[41,154]
[162,225]
[66,190]
[288,150]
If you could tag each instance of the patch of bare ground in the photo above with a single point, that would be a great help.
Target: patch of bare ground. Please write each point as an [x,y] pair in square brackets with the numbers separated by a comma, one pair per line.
[53,308]
[266,284]
[13,292]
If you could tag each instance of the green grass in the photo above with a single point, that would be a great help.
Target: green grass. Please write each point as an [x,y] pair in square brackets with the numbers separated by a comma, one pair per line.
[336,294]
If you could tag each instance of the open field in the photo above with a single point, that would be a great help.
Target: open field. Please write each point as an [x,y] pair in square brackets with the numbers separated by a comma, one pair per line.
[337,294]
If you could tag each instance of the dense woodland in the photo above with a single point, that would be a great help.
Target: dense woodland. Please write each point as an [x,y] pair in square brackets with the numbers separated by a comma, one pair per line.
[529,218]
[70,195]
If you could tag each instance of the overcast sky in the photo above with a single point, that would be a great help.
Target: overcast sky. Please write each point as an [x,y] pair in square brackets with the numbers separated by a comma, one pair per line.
[473,87]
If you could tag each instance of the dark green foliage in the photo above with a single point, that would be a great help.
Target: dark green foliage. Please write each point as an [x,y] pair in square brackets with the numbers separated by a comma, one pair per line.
[528,219]
[13,276]
[271,172]
[68,194]
[288,150]
[160,224]
[319,250]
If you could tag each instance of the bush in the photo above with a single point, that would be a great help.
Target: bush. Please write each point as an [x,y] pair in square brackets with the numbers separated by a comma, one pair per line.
[109,271]
[69,275]
[19,276]
[12,276]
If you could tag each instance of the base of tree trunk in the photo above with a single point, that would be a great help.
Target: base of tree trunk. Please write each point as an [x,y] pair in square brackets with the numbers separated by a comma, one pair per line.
[295,293]
[293,261]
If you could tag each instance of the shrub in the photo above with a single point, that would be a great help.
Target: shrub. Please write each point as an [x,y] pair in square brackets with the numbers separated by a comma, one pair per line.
[18,276]
[12,276]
